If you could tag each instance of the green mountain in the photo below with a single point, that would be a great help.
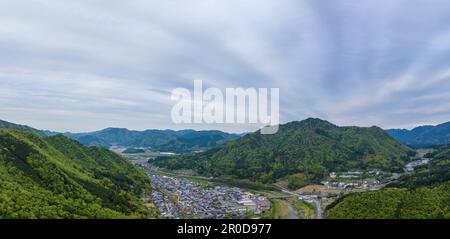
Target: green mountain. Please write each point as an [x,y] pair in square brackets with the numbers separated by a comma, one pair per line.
[423,136]
[56,177]
[313,146]
[159,140]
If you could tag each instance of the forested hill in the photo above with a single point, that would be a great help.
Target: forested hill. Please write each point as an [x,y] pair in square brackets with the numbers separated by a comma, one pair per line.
[311,146]
[56,177]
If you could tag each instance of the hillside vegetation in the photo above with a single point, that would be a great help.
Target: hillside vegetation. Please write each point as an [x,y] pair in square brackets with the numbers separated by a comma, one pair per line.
[313,146]
[56,177]
[395,203]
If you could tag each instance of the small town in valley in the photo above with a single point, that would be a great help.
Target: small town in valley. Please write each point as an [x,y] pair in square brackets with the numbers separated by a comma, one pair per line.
[182,198]
[188,196]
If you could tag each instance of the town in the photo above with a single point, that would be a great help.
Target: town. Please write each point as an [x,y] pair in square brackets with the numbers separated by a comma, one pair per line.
[182,198]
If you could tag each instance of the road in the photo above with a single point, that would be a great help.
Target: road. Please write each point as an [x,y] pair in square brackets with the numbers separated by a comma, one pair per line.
[319,213]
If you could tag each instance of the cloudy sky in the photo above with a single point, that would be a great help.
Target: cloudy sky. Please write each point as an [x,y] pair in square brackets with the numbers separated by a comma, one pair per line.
[87,65]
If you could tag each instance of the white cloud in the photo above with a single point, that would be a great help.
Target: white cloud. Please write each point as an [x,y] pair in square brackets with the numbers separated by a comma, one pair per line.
[83,65]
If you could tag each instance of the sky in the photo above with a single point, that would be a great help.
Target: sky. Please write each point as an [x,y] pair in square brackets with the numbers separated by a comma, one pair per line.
[90,64]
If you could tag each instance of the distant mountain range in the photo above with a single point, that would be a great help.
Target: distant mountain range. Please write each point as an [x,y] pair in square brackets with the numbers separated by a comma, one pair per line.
[158,140]
[190,140]
[181,141]
[312,147]
[424,135]
[184,141]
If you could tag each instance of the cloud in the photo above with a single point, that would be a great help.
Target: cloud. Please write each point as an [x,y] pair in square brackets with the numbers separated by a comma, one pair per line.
[87,65]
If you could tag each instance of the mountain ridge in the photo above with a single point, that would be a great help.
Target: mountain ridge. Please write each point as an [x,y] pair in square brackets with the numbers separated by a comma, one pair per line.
[423,136]
[178,141]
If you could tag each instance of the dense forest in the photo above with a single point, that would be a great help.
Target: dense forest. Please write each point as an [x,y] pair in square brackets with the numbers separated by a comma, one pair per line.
[56,177]
[313,147]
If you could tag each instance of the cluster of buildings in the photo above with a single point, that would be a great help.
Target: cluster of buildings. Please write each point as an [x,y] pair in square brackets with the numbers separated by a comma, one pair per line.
[363,184]
[355,180]
[167,208]
[409,168]
[359,180]
[355,174]
[195,200]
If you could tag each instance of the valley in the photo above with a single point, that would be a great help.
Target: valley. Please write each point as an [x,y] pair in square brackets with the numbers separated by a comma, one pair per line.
[303,182]
[313,198]
[225,110]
